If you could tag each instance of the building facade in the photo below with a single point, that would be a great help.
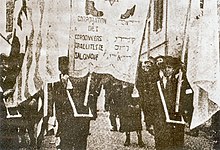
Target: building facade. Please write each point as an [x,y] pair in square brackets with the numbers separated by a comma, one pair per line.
[166,27]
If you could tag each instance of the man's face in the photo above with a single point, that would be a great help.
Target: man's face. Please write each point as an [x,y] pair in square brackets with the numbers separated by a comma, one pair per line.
[168,71]
[63,67]
[146,65]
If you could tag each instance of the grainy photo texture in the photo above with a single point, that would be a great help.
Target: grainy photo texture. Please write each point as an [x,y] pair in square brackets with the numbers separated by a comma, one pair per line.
[109,74]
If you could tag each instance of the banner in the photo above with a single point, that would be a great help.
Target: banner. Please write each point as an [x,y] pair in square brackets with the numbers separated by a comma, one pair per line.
[44,46]
[5,47]
[106,37]
[38,22]
[203,61]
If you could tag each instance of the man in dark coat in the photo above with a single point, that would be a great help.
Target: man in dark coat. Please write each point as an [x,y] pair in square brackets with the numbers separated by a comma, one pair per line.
[72,113]
[170,136]
[216,128]
[130,114]
[8,132]
[30,116]
[94,91]
[112,100]
[3,111]
[143,85]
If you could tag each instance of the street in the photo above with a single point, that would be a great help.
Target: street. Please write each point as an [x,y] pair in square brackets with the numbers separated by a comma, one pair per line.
[102,138]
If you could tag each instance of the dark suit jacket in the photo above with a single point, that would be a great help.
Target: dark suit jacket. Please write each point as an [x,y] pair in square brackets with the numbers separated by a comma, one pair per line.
[186,99]
[70,126]
[113,92]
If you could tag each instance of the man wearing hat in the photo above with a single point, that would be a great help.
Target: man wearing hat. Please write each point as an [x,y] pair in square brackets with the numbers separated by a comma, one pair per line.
[72,113]
[113,100]
[170,135]
[8,133]
[3,110]
[143,85]
[59,96]
[156,67]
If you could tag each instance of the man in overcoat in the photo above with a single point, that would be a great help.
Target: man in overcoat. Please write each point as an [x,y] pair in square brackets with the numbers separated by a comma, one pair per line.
[170,136]
[94,91]
[71,111]
[113,100]
[144,80]
[130,114]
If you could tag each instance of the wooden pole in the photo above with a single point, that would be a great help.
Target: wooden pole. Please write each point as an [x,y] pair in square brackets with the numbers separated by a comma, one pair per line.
[141,46]
[182,58]
[135,91]
[87,89]
[5,39]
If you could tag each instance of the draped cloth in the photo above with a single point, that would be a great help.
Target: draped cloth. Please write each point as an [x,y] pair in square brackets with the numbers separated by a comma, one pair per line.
[108,43]
[203,61]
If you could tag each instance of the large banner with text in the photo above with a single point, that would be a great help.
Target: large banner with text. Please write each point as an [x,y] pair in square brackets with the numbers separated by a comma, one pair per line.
[106,37]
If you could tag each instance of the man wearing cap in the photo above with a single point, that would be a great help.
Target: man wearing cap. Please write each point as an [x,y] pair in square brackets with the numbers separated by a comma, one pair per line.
[144,89]
[8,133]
[94,91]
[59,96]
[71,111]
[170,136]
[156,67]
[113,100]
[3,111]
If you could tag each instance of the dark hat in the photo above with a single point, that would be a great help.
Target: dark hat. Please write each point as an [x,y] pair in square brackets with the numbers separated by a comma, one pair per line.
[172,61]
[63,60]
[63,64]
[148,63]
[151,57]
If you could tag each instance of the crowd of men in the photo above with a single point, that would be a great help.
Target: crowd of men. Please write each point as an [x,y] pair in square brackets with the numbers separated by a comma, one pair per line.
[157,84]
[166,110]
[165,97]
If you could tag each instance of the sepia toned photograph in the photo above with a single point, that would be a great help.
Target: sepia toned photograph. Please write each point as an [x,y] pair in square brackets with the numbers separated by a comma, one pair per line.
[109,74]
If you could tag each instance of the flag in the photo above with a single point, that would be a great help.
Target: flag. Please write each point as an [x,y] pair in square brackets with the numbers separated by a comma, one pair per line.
[27,88]
[203,60]
[40,64]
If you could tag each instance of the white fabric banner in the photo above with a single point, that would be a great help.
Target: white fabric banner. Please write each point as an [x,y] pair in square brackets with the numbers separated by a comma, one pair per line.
[203,61]
[106,37]
[40,64]
[5,47]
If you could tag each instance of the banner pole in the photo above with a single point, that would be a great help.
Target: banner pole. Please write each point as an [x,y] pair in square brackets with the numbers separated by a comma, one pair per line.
[5,39]
[182,58]
[139,56]
[135,91]
[142,41]
[87,89]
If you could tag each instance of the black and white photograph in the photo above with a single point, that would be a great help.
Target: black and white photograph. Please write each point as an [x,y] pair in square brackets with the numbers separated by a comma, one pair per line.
[109,74]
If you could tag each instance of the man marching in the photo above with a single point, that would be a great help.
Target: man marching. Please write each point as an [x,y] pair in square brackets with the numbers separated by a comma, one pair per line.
[171,113]
[72,111]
